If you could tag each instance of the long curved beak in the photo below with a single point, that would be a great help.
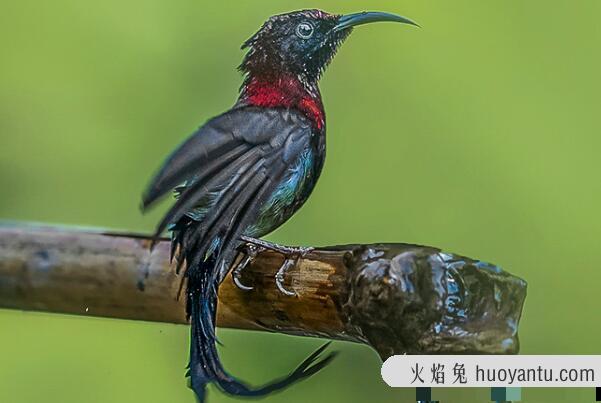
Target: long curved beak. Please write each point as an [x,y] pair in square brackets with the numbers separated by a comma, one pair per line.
[366,17]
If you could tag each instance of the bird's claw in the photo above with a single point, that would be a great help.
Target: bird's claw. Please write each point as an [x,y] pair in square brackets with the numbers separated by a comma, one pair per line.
[279,277]
[300,253]
[250,253]
[293,255]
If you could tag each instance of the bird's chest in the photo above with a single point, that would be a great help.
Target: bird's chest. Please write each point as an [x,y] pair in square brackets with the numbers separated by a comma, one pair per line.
[291,192]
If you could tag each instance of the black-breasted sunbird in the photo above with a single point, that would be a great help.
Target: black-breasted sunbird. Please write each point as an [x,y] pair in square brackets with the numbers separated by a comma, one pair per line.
[247,171]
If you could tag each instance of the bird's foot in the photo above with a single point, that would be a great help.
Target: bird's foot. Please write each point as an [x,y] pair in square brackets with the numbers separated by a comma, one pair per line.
[293,255]
[249,254]
[292,259]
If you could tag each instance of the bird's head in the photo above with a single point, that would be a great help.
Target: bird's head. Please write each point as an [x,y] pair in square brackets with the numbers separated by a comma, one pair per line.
[302,43]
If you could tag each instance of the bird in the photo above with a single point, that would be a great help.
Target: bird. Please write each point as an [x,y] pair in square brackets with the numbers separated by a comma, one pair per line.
[247,171]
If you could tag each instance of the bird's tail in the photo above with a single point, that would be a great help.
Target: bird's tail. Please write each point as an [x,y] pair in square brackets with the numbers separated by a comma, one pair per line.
[205,366]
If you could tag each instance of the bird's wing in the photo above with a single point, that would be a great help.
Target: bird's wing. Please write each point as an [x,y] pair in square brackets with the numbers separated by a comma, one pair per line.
[236,159]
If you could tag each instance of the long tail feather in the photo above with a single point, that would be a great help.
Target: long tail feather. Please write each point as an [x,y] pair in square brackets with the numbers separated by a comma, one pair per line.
[205,366]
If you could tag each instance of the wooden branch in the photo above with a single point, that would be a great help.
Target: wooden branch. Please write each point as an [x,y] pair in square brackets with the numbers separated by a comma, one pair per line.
[395,297]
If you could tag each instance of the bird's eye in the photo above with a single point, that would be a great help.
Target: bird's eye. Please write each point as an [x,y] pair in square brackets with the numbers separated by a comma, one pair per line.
[304,30]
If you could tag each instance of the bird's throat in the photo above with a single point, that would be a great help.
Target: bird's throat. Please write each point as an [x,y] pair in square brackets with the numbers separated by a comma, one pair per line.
[285,92]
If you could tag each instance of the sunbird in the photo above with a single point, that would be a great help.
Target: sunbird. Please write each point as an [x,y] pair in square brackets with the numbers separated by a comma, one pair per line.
[247,171]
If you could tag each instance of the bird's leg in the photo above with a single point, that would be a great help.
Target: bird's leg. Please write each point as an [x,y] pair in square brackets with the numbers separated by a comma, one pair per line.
[250,253]
[284,250]
[293,255]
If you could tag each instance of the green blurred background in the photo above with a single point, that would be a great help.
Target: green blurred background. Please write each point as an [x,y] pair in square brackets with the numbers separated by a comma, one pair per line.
[479,133]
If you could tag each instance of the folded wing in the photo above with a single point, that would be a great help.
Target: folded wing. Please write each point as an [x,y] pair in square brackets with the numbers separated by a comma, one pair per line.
[230,167]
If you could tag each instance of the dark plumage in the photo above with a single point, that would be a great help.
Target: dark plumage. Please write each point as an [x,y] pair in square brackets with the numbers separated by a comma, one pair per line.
[245,172]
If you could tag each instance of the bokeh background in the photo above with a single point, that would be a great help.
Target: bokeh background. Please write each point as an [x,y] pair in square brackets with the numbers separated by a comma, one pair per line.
[479,133]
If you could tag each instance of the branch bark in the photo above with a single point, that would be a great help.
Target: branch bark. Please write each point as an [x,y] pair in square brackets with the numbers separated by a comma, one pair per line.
[397,298]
